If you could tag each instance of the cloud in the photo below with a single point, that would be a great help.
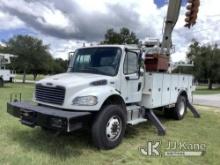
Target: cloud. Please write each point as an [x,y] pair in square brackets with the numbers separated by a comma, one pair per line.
[205,30]
[69,20]
[67,24]
[2,44]
[9,21]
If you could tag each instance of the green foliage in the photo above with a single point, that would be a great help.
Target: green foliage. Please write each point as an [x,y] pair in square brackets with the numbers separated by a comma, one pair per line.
[2,49]
[183,69]
[33,56]
[125,36]
[59,65]
[206,59]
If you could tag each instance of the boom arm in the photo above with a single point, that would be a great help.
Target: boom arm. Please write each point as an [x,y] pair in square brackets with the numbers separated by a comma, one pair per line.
[170,22]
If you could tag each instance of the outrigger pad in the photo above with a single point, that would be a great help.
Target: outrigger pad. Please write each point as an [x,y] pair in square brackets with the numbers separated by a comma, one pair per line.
[193,110]
[155,121]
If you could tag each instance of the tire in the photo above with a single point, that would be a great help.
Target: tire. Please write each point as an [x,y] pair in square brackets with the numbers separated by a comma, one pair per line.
[180,108]
[1,82]
[109,126]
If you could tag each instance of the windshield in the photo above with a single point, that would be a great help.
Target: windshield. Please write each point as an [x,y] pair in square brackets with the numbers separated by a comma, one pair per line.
[96,60]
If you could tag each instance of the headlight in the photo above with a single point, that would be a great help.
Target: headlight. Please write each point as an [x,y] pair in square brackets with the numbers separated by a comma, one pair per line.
[85,100]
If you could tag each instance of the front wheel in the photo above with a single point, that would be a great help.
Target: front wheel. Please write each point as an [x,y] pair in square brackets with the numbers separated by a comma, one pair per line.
[109,127]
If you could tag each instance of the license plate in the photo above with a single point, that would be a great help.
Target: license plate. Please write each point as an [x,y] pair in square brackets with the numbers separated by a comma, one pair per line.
[27,117]
[26,113]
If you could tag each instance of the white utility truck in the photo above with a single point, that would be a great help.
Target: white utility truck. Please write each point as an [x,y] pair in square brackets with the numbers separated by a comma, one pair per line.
[6,75]
[106,88]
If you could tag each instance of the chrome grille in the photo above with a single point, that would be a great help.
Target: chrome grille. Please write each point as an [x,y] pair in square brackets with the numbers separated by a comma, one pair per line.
[52,95]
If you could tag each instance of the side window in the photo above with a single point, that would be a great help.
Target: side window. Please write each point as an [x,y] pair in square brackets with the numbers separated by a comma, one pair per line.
[131,63]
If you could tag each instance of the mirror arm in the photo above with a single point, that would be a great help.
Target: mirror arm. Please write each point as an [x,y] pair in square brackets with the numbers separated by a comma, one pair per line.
[139,62]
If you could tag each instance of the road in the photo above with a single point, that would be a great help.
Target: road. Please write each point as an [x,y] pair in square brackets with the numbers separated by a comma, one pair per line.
[27,81]
[208,100]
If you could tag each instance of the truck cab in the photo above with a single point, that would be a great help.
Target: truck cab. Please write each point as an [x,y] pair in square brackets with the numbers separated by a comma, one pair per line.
[94,74]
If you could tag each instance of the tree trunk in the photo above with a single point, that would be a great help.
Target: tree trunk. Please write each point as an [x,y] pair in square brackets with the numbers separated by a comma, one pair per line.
[24,76]
[210,84]
[35,76]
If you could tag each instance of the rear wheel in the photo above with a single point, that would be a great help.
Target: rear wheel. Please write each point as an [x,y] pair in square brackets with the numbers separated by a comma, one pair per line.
[180,108]
[179,111]
[109,127]
[1,82]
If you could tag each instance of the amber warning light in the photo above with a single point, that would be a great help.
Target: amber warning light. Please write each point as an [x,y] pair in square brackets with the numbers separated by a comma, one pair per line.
[192,11]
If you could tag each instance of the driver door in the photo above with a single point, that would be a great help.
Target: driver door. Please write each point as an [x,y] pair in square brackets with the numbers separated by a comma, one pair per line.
[131,86]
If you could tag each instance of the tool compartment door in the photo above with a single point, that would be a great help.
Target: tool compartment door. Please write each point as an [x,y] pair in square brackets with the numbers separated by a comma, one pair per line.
[166,89]
[157,89]
[174,88]
[152,91]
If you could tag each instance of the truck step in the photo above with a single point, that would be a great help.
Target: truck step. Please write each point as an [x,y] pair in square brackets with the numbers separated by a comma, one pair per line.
[132,107]
[137,121]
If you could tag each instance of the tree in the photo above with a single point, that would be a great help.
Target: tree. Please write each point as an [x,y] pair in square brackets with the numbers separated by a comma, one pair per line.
[3,49]
[123,37]
[59,65]
[32,55]
[206,61]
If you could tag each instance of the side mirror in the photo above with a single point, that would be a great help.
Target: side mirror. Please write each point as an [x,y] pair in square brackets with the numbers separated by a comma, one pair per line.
[70,56]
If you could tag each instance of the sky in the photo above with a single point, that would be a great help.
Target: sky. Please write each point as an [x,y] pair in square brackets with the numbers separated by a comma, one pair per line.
[67,24]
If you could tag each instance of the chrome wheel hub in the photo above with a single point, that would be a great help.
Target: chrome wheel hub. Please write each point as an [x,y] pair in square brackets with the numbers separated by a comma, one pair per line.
[113,128]
[181,108]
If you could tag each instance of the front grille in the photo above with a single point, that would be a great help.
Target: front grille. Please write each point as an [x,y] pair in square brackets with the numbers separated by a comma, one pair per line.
[52,95]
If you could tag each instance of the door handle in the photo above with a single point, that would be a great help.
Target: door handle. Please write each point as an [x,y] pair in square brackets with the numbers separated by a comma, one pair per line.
[131,78]
[139,86]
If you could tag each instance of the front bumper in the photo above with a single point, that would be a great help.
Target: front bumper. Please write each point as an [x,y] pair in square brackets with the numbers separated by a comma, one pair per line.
[57,119]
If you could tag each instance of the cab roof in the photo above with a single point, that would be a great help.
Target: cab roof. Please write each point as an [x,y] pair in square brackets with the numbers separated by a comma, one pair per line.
[119,46]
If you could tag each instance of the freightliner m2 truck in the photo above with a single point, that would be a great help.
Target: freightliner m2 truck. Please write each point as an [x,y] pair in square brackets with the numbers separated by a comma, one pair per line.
[108,87]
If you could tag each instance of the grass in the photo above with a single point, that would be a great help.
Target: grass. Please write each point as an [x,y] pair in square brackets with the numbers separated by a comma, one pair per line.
[203,90]
[21,145]
[29,77]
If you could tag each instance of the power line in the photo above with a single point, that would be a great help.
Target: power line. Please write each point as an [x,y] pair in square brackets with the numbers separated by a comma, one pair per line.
[217,15]
[202,30]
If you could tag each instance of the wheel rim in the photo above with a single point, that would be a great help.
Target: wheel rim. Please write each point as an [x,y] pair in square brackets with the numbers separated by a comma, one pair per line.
[181,108]
[113,128]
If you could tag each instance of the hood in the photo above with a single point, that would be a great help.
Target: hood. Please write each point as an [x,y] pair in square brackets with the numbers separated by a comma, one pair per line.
[72,79]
